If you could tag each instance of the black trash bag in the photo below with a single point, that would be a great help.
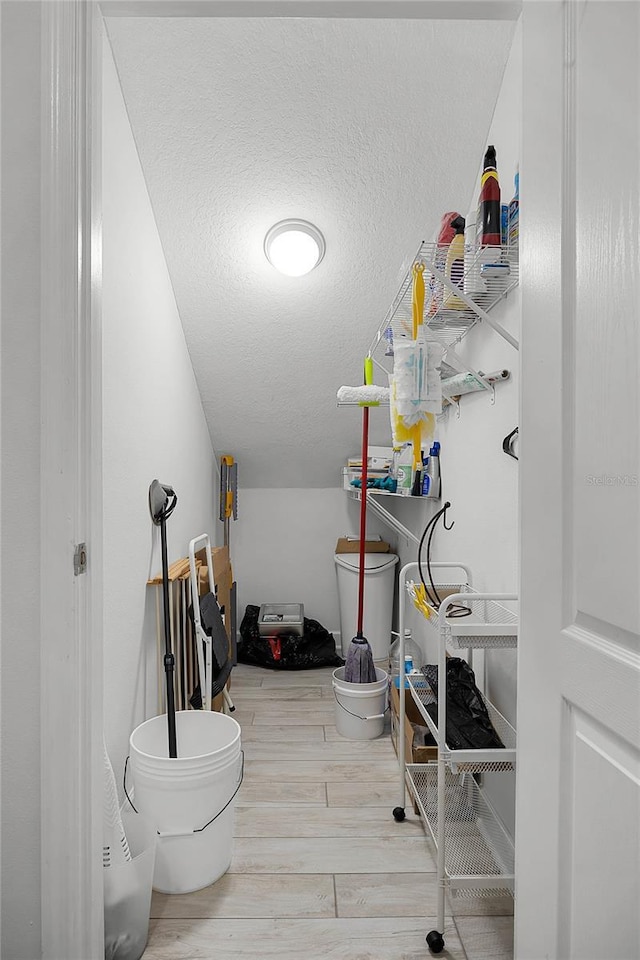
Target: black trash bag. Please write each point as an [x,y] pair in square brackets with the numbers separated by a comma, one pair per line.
[315,648]
[468,724]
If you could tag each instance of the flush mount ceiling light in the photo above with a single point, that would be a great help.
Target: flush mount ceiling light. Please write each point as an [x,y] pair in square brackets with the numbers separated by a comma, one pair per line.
[294,247]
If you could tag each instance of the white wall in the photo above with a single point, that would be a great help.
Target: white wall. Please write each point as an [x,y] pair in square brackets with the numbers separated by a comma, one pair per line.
[154,427]
[20,481]
[283,545]
[478,478]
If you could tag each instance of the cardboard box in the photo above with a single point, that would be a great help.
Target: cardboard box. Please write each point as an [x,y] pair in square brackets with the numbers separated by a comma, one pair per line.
[222,579]
[412,753]
[346,545]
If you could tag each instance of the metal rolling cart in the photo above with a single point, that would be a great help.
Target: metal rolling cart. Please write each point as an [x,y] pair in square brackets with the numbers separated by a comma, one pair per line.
[475,855]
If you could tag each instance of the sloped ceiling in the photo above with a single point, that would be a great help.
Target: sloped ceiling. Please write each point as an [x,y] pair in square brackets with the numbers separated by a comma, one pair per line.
[371,129]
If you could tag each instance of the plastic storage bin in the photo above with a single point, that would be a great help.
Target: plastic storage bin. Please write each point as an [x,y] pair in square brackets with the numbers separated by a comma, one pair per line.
[379,583]
[281,619]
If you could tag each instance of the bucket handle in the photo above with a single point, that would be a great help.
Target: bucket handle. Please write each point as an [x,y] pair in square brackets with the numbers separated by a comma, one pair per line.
[187,833]
[374,716]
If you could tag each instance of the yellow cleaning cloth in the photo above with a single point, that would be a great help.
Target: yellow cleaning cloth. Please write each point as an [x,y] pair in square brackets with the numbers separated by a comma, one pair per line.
[419,596]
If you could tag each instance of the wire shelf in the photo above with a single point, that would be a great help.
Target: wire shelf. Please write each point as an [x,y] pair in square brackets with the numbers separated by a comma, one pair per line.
[478,760]
[488,625]
[447,318]
[467,893]
[479,854]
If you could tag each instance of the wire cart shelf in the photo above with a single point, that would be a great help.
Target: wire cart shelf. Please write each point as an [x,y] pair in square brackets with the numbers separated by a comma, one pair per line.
[489,624]
[483,761]
[479,855]
[475,854]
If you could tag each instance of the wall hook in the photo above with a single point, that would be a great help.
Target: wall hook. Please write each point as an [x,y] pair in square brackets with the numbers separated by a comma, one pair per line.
[507,443]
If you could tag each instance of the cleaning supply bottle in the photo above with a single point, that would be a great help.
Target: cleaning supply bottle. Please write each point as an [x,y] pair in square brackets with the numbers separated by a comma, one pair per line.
[472,281]
[488,220]
[454,267]
[433,472]
[405,470]
[514,214]
[426,479]
[412,654]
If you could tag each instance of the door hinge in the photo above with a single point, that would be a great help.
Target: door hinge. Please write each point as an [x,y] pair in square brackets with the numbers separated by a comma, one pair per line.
[80,559]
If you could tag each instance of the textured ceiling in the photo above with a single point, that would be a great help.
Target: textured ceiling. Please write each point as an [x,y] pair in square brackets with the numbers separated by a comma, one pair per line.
[370,129]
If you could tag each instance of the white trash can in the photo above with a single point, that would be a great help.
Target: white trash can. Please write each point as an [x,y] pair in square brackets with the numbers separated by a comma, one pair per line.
[379,583]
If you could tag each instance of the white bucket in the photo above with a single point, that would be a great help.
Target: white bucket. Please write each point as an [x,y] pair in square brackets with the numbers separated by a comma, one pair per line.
[360,707]
[189,798]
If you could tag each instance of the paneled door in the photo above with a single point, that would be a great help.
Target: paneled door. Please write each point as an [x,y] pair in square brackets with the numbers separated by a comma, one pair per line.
[578,776]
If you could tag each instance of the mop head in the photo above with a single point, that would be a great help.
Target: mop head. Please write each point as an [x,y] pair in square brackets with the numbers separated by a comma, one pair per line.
[359,666]
[367,394]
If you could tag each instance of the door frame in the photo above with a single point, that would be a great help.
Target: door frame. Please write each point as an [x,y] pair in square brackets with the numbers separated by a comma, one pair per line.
[71,686]
[71,774]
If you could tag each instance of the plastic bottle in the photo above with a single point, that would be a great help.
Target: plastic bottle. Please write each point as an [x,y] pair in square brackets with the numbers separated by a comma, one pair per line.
[412,655]
[454,267]
[504,224]
[433,472]
[472,281]
[405,470]
[416,489]
[426,477]
[514,214]
[488,219]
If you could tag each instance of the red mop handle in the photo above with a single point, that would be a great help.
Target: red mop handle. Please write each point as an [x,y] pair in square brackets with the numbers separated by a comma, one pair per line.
[363,517]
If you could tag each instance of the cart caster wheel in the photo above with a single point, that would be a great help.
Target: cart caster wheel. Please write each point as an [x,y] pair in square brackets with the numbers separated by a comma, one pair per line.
[398,814]
[435,942]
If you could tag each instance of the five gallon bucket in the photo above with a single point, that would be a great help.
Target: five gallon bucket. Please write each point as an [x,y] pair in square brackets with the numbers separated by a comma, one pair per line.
[360,707]
[190,799]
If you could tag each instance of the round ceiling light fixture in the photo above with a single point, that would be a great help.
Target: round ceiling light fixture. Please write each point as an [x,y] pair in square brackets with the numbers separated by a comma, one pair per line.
[294,247]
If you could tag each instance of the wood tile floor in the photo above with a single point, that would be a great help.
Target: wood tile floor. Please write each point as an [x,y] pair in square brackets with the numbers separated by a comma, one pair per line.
[321,871]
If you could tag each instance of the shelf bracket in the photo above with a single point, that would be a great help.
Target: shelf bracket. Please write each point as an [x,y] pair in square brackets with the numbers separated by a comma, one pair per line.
[463,367]
[389,519]
[461,295]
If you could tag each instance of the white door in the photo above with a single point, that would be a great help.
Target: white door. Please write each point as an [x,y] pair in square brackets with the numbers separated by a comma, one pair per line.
[578,777]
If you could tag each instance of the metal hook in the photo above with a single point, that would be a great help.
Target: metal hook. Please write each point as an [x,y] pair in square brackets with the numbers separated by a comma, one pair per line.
[507,443]
[444,516]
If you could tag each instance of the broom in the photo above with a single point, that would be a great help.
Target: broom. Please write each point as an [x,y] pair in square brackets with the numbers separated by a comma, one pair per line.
[359,666]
